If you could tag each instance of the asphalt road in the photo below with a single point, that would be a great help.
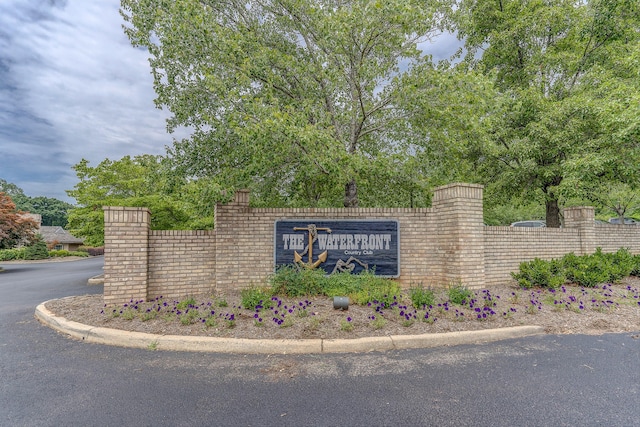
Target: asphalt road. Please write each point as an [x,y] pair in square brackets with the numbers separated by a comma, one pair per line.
[47,379]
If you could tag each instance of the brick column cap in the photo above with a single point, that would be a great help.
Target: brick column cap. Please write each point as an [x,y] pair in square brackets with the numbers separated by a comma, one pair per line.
[457,190]
[124,208]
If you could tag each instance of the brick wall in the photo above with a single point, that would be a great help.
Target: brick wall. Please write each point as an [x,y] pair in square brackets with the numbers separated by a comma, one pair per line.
[181,263]
[439,246]
[612,237]
[507,247]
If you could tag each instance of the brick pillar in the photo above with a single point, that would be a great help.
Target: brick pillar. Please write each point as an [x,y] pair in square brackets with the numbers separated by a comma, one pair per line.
[458,211]
[126,249]
[233,241]
[582,218]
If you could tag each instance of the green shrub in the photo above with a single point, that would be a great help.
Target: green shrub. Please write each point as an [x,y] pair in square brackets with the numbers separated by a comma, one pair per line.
[37,251]
[623,263]
[296,282]
[421,297]
[586,270]
[635,271]
[592,270]
[376,290]
[253,296]
[546,274]
[360,288]
[345,284]
[459,295]
[12,254]
[58,253]
[183,305]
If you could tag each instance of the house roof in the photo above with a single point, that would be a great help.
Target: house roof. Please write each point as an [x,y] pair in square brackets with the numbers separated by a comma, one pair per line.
[59,234]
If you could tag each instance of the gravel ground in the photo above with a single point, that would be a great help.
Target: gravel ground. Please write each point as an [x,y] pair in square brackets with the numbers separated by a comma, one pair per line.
[570,310]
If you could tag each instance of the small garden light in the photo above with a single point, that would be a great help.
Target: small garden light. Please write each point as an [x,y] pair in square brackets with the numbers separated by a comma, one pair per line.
[341,303]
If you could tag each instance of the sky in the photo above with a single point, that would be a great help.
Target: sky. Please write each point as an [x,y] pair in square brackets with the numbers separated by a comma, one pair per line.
[73,87]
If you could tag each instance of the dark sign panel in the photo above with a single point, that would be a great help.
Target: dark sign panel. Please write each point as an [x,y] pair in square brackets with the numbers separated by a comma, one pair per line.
[338,246]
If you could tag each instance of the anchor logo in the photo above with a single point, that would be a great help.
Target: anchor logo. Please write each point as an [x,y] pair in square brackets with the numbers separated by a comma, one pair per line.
[313,236]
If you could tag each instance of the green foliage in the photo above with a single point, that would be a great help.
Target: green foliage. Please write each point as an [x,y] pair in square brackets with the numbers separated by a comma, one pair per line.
[253,296]
[421,297]
[360,288]
[635,270]
[190,317]
[296,281]
[184,304]
[459,295]
[538,272]
[592,270]
[496,213]
[568,85]
[621,264]
[15,228]
[586,270]
[346,325]
[53,211]
[295,99]
[38,250]
[64,253]
[614,199]
[16,194]
[384,292]
[12,254]
[141,181]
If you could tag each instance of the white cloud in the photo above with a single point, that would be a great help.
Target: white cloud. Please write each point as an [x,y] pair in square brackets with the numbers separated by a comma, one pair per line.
[73,87]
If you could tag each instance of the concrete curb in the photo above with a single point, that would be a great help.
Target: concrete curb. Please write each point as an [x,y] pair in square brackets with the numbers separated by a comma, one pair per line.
[116,337]
[96,280]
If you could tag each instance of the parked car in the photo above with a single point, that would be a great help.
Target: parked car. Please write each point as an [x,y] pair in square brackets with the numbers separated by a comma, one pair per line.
[616,220]
[529,223]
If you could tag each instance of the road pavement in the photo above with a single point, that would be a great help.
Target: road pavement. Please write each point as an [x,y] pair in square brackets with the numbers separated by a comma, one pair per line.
[47,379]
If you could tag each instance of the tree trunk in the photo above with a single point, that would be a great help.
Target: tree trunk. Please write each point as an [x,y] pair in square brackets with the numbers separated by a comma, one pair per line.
[553,213]
[351,194]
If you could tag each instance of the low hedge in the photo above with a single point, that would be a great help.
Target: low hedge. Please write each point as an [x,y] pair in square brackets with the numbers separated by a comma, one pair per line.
[586,270]
[36,252]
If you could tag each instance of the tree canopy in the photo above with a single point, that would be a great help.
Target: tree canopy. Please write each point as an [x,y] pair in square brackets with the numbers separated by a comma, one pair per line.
[15,227]
[322,103]
[304,102]
[52,211]
[567,77]
[141,181]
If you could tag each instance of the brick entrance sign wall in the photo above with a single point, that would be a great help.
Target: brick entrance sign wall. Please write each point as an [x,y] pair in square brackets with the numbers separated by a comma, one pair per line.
[439,246]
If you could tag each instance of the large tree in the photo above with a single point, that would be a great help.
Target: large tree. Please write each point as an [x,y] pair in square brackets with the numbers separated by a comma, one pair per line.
[16,194]
[52,211]
[16,228]
[568,82]
[140,181]
[296,99]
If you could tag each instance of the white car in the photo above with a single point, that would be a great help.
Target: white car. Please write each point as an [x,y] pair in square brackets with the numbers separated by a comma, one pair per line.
[529,223]
[626,221]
